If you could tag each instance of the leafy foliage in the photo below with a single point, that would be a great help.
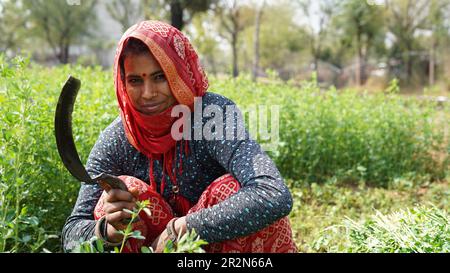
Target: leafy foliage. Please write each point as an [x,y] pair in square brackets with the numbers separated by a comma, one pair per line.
[34,183]
[347,135]
[190,242]
[321,213]
[420,229]
[60,24]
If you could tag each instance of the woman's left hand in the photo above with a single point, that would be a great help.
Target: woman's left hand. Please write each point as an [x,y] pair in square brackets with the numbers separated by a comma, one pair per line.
[160,242]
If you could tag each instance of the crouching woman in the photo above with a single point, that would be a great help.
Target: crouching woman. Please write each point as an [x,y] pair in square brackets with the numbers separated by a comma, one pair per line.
[228,190]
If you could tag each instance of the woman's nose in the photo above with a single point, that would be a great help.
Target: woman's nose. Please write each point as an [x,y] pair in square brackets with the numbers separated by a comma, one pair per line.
[150,91]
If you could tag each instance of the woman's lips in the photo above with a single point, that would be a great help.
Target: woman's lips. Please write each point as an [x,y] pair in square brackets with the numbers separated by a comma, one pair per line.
[150,107]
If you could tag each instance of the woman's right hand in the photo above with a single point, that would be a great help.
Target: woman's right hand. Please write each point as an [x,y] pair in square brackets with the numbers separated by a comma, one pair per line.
[114,203]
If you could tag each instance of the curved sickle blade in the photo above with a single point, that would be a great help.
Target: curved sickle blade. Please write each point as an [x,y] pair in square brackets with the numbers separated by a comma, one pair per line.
[63,131]
[65,143]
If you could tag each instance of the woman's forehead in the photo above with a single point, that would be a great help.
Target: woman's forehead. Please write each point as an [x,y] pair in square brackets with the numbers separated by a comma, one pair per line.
[142,64]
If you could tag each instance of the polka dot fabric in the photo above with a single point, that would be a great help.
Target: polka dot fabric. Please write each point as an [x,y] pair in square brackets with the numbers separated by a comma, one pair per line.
[263,197]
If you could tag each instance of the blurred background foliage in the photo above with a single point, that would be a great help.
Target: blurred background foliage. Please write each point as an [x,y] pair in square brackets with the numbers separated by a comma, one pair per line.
[347,43]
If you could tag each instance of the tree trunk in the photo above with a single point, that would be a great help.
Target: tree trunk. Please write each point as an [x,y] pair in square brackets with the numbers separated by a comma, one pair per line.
[408,63]
[256,42]
[212,62]
[432,63]
[234,49]
[358,68]
[364,76]
[408,69]
[63,56]
[316,66]
[176,14]
[315,54]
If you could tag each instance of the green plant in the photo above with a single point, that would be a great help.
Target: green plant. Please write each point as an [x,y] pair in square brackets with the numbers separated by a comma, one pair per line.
[321,209]
[96,245]
[32,177]
[346,134]
[188,243]
[420,229]
[19,230]
[393,87]
[128,232]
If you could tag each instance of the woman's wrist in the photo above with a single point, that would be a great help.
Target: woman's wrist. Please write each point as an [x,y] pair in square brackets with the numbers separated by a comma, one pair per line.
[171,232]
[175,228]
[107,233]
[112,235]
[180,225]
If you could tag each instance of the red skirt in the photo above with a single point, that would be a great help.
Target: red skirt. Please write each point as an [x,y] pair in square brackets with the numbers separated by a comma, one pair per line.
[276,238]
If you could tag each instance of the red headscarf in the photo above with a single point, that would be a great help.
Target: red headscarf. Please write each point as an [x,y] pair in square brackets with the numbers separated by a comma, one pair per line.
[151,134]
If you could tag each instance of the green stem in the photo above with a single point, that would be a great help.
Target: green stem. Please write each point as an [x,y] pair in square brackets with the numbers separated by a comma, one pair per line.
[129,229]
[125,236]
[5,205]
[17,168]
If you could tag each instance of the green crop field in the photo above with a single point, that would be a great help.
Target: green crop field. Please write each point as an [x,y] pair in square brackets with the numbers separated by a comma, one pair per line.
[368,172]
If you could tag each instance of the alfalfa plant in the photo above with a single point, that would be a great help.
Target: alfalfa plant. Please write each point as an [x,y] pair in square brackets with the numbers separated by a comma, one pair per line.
[417,230]
[188,243]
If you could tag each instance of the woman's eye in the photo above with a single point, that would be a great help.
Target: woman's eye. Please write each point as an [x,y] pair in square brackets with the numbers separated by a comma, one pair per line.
[134,81]
[160,77]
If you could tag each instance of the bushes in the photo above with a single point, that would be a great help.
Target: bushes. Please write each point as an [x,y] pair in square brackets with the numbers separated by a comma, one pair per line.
[20,229]
[347,135]
[34,183]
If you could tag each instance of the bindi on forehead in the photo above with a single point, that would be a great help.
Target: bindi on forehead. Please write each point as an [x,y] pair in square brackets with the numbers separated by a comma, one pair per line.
[144,75]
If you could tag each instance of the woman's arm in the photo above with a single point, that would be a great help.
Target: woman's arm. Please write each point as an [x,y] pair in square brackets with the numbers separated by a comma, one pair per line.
[80,225]
[262,199]
[104,157]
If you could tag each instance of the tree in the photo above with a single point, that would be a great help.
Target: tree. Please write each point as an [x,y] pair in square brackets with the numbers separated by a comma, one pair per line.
[405,18]
[125,12]
[62,25]
[317,31]
[233,20]
[283,42]
[439,27]
[156,10]
[178,8]
[258,16]
[205,40]
[178,12]
[12,25]
[361,23]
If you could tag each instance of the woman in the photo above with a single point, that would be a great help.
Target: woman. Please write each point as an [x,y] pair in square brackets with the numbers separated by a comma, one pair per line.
[227,190]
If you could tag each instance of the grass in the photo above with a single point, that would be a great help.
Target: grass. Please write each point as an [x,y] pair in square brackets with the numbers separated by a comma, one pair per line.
[421,229]
[321,211]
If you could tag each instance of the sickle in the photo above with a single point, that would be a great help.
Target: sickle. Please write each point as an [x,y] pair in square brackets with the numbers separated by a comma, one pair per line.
[65,142]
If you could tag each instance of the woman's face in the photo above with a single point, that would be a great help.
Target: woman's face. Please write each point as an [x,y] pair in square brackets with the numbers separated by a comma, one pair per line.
[147,85]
